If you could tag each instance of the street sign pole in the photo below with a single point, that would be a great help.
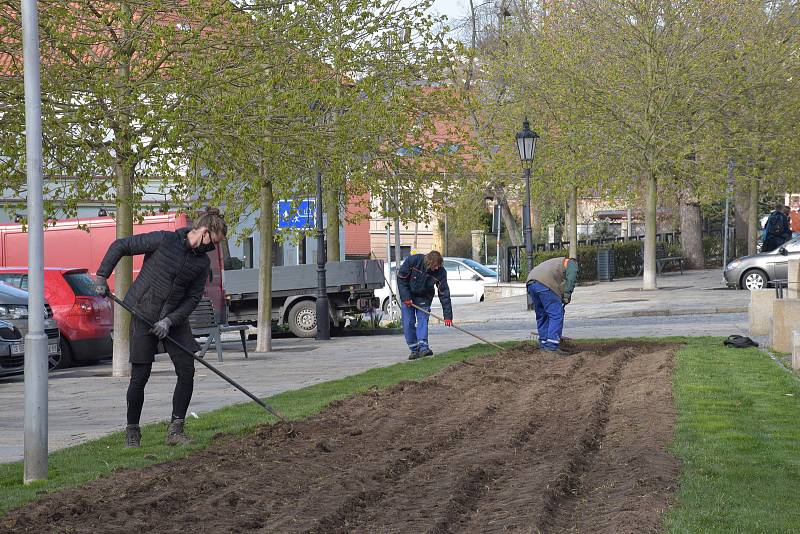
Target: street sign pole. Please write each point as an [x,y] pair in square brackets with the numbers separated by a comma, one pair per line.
[35,440]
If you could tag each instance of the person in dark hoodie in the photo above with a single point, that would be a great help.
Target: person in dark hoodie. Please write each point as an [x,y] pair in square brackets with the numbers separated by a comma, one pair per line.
[777,230]
[418,279]
[167,290]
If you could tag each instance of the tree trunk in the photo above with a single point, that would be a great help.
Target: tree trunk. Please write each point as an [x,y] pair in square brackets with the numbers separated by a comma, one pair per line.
[650,229]
[123,274]
[510,224]
[265,230]
[691,230]
[332,227]
[741,214]
[573,222]
[753,226]
[536,223]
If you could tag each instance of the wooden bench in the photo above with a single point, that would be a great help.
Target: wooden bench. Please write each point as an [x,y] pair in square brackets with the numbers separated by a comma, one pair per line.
[204,323]
[662,259]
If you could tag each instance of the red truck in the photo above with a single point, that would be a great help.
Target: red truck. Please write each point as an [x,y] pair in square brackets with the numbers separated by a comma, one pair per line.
[351,284]
[82,243]
[78,244]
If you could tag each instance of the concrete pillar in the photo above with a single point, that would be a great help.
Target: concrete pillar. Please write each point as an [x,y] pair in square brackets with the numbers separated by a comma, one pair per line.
[477,245]
[793,279]
[785,320]
[796,350]
[759,312]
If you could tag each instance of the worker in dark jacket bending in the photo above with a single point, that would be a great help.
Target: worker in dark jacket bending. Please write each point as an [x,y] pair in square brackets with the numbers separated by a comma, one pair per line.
[166,292]
[419,277]
[550,285]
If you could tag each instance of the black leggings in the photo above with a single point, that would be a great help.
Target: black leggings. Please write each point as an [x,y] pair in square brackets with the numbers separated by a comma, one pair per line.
[140,373]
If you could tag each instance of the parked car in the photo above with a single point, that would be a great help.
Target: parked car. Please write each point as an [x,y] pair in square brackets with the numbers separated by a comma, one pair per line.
[12,349]
[753,272]
[85,320]
[465,277]
[14,310]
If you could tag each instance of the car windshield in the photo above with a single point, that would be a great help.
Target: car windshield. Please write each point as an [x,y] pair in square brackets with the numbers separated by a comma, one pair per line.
[81,284]
[794,243]
[480,268]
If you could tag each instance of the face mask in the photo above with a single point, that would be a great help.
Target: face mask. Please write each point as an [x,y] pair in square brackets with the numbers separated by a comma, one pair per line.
[203,248]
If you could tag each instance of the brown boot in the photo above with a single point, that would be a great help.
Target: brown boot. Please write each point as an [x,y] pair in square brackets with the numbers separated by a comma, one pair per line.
[175,434]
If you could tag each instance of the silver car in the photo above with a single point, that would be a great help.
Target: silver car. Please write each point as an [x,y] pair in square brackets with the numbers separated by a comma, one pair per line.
[14,310]
[753,272]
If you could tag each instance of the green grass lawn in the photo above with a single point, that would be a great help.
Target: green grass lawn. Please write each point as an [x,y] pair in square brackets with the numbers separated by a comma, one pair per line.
[82,463]
[738,437]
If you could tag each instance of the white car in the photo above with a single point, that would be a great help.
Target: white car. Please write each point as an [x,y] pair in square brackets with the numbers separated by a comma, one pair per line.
[465,277]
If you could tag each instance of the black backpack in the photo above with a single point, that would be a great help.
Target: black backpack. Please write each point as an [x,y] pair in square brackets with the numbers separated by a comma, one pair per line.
[739,342]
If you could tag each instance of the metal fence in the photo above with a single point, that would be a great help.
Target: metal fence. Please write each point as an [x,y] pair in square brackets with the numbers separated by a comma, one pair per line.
[514,254]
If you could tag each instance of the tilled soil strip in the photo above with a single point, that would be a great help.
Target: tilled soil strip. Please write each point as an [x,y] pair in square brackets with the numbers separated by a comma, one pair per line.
[522,441]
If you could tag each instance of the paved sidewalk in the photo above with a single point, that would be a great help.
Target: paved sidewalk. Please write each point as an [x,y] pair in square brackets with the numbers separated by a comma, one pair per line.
[694,292]
[86,402]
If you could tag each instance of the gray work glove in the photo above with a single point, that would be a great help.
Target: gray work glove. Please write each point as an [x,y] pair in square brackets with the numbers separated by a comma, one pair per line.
[565,299]
[161,328]
[100,286]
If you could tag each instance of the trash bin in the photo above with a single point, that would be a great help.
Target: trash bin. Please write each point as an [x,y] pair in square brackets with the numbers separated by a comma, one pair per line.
[605,264]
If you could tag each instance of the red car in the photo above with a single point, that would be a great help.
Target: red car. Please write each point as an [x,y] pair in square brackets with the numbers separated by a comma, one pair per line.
[84,319]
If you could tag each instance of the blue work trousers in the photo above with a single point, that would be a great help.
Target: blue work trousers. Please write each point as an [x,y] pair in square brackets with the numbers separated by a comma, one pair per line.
[549,315]
[415,327]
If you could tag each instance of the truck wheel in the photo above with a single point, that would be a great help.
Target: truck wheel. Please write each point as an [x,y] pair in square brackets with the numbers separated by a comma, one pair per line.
[303,319]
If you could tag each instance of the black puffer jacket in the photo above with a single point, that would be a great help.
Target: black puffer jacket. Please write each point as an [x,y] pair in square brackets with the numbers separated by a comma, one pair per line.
[172,278]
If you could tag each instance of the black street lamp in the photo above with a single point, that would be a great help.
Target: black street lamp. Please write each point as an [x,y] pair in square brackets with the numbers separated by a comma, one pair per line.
[526,144]
[323,320]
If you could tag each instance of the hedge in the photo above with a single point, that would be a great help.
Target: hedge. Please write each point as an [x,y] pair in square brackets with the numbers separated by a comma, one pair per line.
[627,257]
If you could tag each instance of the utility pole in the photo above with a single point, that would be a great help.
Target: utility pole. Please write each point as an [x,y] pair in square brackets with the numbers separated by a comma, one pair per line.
[35,441]
[398,256]
[499,216]
[728,189]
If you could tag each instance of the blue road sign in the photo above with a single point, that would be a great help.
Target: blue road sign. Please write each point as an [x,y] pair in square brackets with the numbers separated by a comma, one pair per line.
[296,214]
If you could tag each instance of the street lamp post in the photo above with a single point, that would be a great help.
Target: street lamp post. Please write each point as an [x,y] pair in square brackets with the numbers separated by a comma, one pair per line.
[323,322]
[526,144]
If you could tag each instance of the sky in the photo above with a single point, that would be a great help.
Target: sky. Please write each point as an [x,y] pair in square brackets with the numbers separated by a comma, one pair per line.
[454,9]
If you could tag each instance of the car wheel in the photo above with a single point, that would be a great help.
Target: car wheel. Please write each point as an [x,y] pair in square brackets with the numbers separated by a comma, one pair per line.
[391,310]
[303,319]
[754,279]
[63,360]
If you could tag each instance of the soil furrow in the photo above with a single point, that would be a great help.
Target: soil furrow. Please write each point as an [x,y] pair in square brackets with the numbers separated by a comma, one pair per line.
[504,443]
[566,484]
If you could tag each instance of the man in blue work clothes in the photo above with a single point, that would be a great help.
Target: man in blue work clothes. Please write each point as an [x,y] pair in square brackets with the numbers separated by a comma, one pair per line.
[419,277]
[550,285]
